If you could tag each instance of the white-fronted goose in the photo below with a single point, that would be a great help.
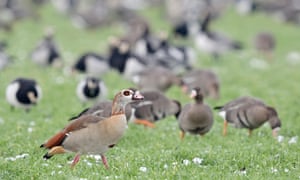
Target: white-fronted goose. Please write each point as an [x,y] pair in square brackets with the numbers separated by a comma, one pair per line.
[249,112]
[92,134]
[155,106]
[206,79]
[91,89]
[195,118]
[23,93]
[156,78]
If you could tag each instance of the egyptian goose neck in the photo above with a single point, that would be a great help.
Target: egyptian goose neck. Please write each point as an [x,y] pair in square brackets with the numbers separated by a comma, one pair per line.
[118,106]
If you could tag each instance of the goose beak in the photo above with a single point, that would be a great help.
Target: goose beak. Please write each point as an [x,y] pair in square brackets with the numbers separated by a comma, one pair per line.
[31,97]
[275,132]
[137,96]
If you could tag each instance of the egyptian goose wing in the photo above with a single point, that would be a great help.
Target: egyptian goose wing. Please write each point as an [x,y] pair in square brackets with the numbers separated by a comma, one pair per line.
[75,125]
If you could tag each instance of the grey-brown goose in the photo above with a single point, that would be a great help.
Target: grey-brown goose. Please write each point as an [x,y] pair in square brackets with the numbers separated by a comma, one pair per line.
[206,79]
[92,134]
[197,117]
[249,112]
[264,43]
[155,106]
[156,78]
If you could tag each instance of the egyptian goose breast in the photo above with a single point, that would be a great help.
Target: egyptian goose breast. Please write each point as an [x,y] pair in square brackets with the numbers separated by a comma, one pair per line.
[250,113]
[197,117]
[92,134]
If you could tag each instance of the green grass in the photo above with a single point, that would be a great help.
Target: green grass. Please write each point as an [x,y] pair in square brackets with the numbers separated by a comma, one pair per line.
[159,149]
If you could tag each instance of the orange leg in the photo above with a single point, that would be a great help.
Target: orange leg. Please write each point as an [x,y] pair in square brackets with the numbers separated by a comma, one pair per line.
[75,160]
[182,133]
[144,122]
[104,161]
[225,128]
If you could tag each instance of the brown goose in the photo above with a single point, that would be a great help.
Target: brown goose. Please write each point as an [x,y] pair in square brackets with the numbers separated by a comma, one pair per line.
[92,134]
[156,78]
[206,79]
[155,106]
[264,42]
[249,112]
[195,118]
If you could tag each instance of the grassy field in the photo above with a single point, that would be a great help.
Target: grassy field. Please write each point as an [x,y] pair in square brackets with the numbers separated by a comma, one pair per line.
[155,153]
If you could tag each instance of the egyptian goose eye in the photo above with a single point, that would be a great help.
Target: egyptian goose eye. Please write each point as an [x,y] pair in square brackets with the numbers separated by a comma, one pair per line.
[126,93]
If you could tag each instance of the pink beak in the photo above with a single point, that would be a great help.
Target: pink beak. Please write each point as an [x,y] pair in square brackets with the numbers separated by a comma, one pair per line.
[137,96]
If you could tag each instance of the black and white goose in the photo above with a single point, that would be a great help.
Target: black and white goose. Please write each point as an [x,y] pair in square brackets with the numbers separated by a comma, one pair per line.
[91,64]
[46,52]
[91,89]
[23,93]
[212,42]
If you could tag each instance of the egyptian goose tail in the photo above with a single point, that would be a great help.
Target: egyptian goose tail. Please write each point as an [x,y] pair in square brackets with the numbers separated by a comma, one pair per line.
[56,140]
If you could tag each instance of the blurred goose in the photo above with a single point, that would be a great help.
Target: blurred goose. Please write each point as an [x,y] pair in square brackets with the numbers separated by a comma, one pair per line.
[92,64]
[156,78]
[46,52]
[92,134]
[250,113]
[91,89]
[212,42]
[195,118]
[23,93]
[4,58]
[264,42]
[206,79]
[155,106]
[7,16]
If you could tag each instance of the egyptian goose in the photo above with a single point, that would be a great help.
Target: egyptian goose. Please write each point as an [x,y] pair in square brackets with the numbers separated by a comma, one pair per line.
[264,42]
[92,64]
[23,93]
[155,106]
[156,78]
[103,109]
[46,52]
[91,89]
[250,113]
[206,79]
[92,134]
[195,118]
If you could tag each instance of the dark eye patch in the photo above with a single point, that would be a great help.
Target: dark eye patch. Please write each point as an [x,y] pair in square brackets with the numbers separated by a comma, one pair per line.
[126,93]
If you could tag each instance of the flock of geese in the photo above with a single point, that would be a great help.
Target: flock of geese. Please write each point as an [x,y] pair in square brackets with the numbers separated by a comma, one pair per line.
[153,63]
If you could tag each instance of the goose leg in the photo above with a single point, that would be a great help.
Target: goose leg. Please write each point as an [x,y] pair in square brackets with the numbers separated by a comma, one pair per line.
[104,161]
[225,128]
[144,122]
[249,132]
[182,135]
[75,160]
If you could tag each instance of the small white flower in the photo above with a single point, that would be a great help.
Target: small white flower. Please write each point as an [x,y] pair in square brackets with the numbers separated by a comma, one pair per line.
[293,140]
[280,138]
[89,163]
[166,166]
[274,170]
[45,164]
[186,162]
[52,173]
[59,166]
[197,160]
[10,159]
[143,169]
[286,170]
[174,163]
[59,172]
[82,178]
[21,156]
[30,129]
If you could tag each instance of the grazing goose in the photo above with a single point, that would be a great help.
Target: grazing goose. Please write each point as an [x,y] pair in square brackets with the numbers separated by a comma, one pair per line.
[91,89]
[206,79]
[155,106]
[46,52]
[92,134]
[250,113]
[156,78]
[212,42]
[92,64]
[195,118]
[23,93]
[264,42]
